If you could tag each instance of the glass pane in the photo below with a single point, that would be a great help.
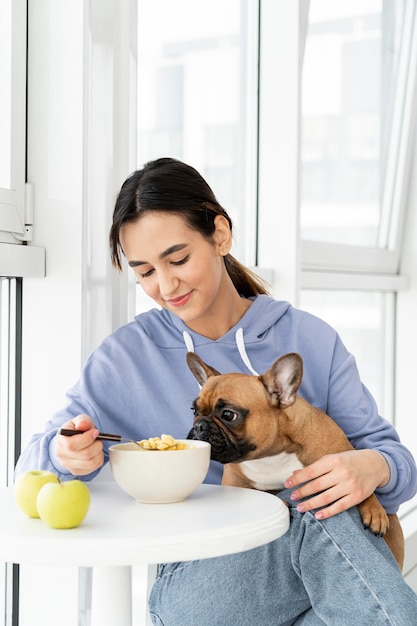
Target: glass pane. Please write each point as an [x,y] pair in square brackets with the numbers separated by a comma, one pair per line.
[365,322]
[8,340]
[7,419]
[351,55]
[5,90]
[193,82]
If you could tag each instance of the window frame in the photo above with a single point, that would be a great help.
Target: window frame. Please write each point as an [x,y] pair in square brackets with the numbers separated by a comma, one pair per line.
[12,201]
[10,418]
[386,258]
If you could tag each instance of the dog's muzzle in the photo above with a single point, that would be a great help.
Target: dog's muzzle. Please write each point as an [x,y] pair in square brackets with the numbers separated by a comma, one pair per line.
[224,448]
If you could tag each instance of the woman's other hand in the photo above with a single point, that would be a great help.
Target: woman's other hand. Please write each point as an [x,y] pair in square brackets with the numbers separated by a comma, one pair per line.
[340,481]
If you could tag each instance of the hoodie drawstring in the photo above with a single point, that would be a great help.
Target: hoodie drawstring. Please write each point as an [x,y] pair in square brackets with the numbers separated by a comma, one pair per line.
[188,341]
[240,343]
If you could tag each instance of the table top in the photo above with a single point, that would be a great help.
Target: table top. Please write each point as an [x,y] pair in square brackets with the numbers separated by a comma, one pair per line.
[213,521]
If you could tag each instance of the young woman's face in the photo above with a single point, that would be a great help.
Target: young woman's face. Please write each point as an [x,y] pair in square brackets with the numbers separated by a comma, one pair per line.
[176,266]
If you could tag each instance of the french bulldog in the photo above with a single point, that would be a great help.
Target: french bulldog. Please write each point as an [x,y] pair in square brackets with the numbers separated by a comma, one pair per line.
[262,431]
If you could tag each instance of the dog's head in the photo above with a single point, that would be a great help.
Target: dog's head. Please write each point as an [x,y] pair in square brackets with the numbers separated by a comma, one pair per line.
[238,413]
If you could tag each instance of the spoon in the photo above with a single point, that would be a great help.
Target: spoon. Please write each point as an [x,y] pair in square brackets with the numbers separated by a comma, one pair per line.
[103,436]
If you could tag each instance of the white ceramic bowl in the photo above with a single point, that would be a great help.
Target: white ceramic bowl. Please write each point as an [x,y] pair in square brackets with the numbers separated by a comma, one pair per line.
[160,476]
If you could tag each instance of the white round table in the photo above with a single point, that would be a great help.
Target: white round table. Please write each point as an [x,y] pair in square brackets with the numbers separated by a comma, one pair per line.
[119,533]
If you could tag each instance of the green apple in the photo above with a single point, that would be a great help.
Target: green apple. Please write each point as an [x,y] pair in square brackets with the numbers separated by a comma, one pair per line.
[63,504]
[27,487]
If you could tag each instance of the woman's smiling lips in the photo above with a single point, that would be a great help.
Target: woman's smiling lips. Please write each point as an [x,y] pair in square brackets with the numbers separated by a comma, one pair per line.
[181,300]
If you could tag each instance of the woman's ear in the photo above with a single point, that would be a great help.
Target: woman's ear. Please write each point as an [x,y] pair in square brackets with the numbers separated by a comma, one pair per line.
[222,235]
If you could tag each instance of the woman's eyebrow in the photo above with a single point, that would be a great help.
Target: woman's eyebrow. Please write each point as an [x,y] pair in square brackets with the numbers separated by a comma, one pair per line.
[165,253]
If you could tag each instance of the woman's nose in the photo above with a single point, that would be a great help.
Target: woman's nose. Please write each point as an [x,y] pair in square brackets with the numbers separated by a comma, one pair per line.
[168,284]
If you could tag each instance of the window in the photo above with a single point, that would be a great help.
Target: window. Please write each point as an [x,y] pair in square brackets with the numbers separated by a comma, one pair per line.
[197,99]
[10,339]
[357,75]
[5,93]
[12,121]
[351,88]
[365,321]
[10,381]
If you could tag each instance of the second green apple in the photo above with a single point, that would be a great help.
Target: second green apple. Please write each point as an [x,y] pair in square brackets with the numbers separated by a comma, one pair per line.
[63,504]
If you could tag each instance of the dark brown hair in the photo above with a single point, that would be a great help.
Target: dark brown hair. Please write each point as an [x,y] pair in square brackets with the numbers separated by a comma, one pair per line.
[172,186]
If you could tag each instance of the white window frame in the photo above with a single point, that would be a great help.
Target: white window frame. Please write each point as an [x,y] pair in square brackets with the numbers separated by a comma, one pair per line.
[384,259]
[16,203]
[12,201]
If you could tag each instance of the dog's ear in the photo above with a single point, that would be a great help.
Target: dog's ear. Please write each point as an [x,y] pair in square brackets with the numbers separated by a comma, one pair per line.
[201,370]
[283,379]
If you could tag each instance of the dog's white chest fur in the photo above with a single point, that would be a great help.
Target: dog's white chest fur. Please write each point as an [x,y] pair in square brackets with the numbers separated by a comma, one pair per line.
[269,473]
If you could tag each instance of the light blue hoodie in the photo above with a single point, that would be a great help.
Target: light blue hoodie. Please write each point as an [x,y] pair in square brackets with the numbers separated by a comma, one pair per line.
[137,384]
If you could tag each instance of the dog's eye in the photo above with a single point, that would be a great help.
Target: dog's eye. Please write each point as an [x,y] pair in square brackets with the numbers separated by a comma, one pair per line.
[229,416]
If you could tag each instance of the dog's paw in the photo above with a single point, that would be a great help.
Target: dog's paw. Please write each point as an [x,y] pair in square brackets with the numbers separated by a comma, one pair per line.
[374,516]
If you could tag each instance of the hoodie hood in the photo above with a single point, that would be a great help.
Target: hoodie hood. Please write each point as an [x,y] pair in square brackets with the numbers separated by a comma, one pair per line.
[263,314]
[240,343]
[258,319]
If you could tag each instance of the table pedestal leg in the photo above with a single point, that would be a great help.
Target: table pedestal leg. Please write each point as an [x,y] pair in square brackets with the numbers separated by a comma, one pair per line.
[111,596]
[85,579]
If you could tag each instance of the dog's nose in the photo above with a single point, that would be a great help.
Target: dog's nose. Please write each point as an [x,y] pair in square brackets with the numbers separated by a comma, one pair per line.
[201,427]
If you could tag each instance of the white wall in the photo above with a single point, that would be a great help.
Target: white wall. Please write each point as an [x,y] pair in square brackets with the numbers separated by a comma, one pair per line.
[52,306]
[81,147]
[77,51]
[406,369]
[407,325]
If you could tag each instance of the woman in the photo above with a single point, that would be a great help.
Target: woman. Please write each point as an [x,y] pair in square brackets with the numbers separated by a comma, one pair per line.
[326,569]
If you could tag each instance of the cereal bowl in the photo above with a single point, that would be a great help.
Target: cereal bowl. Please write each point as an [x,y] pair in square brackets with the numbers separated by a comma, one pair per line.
[160,476]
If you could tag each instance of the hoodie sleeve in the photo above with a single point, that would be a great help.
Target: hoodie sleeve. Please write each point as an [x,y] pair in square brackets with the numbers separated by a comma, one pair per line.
[353,407]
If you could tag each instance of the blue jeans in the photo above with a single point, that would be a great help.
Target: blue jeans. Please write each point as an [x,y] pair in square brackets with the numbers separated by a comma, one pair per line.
[331,572]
